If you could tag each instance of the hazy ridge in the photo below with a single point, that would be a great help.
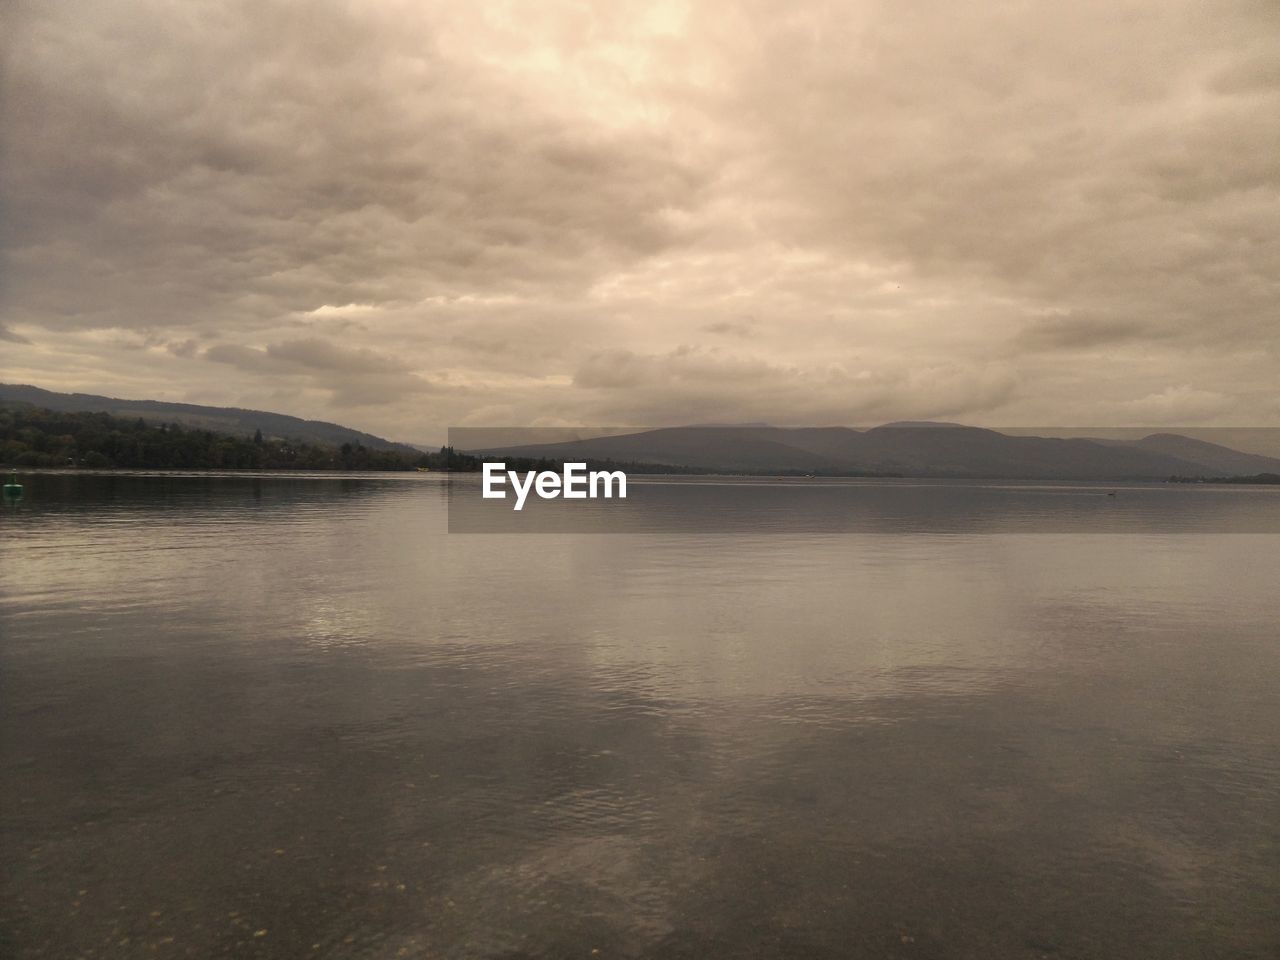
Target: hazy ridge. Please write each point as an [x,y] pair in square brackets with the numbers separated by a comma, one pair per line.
[918,449]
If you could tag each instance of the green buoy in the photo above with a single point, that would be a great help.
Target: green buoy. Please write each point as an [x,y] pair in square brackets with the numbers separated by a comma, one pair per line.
[13,489]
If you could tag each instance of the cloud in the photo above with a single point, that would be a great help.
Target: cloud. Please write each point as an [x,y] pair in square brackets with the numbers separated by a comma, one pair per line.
[1084,333]
[731,328]
[245,358]
[664,388]
[355,376]
[232,177]
[317,354]
[1050,155]
[1179,404]
[619,369]
[12,336]
[646,211]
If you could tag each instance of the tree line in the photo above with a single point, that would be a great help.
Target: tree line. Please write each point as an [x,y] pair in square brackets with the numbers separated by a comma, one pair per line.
[1264,478]
[36,437]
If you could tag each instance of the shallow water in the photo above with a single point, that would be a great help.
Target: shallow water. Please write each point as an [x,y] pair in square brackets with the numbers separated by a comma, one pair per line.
[289,717]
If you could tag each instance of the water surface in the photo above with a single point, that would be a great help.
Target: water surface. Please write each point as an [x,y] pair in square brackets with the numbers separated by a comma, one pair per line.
[294,716]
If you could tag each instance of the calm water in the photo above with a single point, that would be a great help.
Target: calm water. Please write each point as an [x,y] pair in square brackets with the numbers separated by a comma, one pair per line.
[292,717]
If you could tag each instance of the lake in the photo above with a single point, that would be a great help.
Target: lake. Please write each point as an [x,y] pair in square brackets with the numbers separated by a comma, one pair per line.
[295,716]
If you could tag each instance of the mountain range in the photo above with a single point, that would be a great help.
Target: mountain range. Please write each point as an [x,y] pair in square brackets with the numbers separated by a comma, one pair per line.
[918,449]
[907,449]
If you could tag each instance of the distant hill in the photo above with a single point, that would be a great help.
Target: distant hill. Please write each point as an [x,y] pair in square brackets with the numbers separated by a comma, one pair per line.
[1261,441]
[1214,457]
[919,450]
[229,420]
[43,438]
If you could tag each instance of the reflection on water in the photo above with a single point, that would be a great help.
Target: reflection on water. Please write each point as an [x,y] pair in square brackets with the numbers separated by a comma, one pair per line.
[294,717]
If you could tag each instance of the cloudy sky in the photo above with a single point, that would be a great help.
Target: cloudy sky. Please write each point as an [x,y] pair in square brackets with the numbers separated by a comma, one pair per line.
[405,215]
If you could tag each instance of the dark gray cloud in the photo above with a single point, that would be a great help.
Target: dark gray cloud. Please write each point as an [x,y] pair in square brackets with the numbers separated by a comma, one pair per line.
[248,160]
[552,213]
[1085,333]
[318,354]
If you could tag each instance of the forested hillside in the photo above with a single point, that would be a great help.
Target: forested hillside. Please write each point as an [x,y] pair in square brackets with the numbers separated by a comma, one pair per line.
[36,437]
[234,421]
